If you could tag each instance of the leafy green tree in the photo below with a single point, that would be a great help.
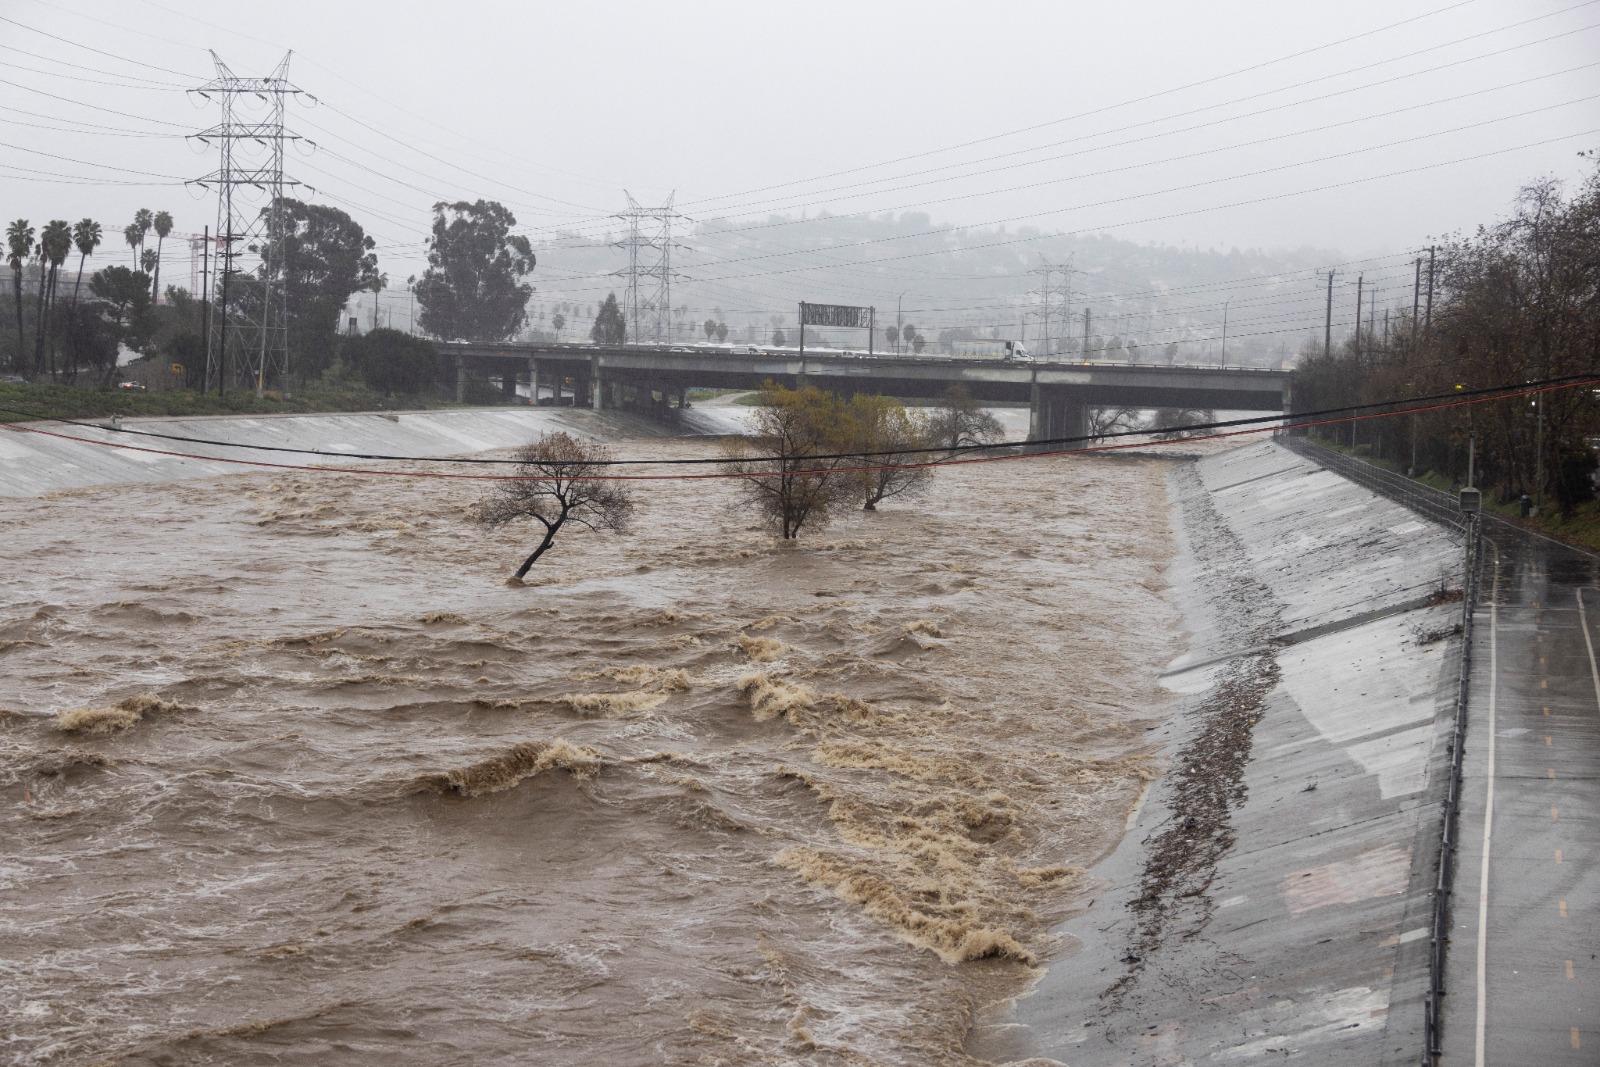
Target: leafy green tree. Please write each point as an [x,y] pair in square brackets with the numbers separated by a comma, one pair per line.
[778,338]
[879,427]
[722,332]
[163,226]
[710,326]
[86,236]
[124,307]
[558,320]
[781,477]
[392,361]
[609,327]
[19,242]
[323,259]
[892,335]
[473,289]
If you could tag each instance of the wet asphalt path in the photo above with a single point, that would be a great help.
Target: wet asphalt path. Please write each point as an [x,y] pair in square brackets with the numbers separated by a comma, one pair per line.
[1523,977]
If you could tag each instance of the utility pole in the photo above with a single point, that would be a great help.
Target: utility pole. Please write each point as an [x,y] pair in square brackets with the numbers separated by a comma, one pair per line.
[1427,321]
[1360,280]
[261,334]
[1086,334]
[1416,299]
[205,305]
[1224,360]
[1327,330]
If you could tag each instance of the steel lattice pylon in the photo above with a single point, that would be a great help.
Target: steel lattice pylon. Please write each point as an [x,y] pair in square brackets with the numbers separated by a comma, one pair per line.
[248,339]
[647,305]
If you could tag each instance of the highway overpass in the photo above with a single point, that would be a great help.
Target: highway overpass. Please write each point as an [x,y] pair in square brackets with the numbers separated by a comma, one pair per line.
[1059,394]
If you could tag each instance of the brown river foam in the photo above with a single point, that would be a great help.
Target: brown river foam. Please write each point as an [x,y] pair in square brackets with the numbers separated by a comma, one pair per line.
[293,777]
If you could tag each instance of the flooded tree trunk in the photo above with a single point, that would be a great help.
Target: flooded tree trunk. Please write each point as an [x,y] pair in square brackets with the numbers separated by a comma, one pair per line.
[550,529]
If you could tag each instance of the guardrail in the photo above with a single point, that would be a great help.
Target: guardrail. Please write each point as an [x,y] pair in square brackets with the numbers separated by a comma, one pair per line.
[1440,507]
[1433,504]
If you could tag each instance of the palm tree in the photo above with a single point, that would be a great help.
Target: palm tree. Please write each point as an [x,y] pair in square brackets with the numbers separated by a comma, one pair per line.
[142,219]
[378,285]
[147,261]
[19,236]
[163,224]
[55,244]
[86,235]
[131,234]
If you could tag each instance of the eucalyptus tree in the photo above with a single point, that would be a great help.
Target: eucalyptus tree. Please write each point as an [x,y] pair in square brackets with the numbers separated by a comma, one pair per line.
[473,288]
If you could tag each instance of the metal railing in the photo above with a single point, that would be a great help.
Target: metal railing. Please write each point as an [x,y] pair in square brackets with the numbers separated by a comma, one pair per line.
[1433,504]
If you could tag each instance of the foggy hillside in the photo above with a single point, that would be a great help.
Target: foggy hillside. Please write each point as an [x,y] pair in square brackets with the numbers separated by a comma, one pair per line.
[957,283]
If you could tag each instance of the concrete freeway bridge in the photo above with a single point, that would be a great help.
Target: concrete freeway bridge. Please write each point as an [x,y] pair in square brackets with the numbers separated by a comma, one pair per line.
[1059,394]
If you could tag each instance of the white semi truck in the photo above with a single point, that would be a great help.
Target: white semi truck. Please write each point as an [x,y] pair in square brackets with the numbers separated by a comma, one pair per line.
[1014,351]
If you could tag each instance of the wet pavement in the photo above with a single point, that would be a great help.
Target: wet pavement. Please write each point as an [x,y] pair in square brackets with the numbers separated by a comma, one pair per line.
[1522,977]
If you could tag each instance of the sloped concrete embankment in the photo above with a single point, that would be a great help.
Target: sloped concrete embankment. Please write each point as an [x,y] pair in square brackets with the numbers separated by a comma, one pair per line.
[1271,900]
[74,457]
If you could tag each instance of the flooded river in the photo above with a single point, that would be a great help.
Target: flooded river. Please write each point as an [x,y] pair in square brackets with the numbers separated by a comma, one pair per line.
[292,776]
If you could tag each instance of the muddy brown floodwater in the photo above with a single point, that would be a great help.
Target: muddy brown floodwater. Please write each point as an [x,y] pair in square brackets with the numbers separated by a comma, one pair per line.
[292,777]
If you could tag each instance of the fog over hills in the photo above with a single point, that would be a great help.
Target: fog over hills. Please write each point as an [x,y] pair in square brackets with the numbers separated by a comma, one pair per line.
[953,282]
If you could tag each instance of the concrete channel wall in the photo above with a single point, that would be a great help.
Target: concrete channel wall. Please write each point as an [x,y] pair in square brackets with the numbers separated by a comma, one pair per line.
[43,457]
[1272,900]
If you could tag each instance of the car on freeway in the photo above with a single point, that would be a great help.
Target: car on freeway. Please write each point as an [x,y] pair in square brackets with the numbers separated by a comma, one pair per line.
[12,379]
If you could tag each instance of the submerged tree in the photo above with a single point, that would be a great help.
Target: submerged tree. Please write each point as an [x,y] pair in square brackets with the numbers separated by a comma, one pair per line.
[961,422]
[883,431]
[556,483]
[783,478]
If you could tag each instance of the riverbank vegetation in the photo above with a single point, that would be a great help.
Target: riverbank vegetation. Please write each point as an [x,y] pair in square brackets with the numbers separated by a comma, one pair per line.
[1515,302]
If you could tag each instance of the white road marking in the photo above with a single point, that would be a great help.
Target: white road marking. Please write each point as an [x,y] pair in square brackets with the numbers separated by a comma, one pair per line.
[1488,820]
[1588,642]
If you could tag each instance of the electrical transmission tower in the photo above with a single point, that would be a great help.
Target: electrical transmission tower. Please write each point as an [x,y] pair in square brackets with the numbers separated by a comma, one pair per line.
[1054,304]
[248,339]
[648,304]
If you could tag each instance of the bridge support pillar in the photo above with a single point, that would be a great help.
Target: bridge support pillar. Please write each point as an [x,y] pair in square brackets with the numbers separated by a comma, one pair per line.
[461,380]
[508,386]
[597,385]
[533,382]
[1056,412]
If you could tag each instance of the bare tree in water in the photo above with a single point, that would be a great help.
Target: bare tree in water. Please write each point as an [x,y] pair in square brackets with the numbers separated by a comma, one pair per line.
[556,484]
[959,421]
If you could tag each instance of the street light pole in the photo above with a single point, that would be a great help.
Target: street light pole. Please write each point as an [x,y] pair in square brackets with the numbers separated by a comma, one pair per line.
[1225,303]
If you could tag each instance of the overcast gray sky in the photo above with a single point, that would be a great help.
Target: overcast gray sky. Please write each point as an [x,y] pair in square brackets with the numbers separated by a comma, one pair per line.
[1213,124]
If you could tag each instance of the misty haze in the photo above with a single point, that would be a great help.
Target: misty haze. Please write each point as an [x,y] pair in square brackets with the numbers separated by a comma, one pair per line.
[902,534]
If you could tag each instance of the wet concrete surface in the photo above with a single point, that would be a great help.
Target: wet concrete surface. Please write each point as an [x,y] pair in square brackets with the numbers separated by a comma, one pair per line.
[1522,977]
[44,457]
[1306,939]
